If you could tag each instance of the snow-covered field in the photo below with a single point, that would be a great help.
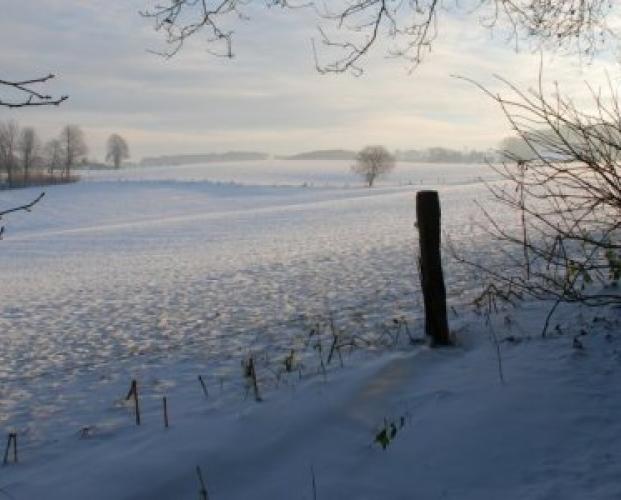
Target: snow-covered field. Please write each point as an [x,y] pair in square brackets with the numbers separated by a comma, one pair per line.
[297,173]
[162,274]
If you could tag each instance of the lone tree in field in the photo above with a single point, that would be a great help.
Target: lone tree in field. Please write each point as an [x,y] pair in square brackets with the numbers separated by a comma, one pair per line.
[373,162]
[73,147]
[118,150]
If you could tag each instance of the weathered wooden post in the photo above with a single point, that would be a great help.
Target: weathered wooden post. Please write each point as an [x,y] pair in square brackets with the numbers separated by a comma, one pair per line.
[431,277]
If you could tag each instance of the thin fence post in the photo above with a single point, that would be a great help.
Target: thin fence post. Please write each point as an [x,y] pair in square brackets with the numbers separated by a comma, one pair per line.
[11,439]
[204,386]
[165,401]
[133,391]
[431,276]
[8,447]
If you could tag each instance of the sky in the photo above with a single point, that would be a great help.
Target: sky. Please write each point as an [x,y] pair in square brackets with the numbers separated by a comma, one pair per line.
[269,97]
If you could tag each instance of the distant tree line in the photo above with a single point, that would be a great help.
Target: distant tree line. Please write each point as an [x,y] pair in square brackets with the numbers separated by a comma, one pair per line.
[185,159]
[443,155]
[428,155]
[26,160]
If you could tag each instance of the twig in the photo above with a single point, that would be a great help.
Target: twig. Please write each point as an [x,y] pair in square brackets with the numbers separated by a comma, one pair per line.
[549,317]
[202,493]
[494,339]
[314,483]
[250,374]
[204,386]
[26,207]
[31,97]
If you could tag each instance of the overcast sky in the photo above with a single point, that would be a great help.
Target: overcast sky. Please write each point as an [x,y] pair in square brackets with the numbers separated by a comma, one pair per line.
[269,97]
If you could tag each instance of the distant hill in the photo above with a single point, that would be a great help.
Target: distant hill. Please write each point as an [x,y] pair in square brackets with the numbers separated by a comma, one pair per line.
[203,158]
[323,154]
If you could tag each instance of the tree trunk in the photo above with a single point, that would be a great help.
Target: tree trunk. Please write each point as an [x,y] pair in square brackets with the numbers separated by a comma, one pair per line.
[9,175]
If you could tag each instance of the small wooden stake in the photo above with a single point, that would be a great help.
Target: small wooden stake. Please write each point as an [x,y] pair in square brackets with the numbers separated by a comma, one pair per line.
[165,411]
[8,447]
[253,375]
[12,438]
[6,451]
[204,386]
[133,391]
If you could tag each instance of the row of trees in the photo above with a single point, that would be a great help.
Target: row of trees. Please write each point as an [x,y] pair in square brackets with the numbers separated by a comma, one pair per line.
[443,155]
[25,159]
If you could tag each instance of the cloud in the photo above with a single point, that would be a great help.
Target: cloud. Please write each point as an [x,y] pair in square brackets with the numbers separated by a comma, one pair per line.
[269,97]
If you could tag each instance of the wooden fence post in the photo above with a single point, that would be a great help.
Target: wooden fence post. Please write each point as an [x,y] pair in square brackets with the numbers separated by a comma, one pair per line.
[431,277]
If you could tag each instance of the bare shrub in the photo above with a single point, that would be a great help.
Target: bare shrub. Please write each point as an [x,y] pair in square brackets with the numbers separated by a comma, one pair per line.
[567,193]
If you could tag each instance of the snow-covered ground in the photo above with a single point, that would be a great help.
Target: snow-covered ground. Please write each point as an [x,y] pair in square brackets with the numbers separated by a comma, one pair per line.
[165,274]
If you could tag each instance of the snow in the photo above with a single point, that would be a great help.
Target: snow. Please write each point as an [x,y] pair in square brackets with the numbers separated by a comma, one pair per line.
[164,274]
[315,173]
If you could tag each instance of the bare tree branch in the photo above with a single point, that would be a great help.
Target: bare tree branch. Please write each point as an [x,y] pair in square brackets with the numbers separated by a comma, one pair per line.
[31,97]
[349,29]
[566,187]
[25,208]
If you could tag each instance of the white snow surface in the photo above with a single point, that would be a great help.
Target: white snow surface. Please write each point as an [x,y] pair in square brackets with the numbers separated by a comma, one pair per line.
[160,275]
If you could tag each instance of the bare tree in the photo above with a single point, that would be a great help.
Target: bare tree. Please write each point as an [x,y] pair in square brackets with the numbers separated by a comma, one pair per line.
[22,93]
[567,191]
[53,153]
[73,147]
[373,162]
[349,29]
[117,150]
[9,134]
[29,145]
